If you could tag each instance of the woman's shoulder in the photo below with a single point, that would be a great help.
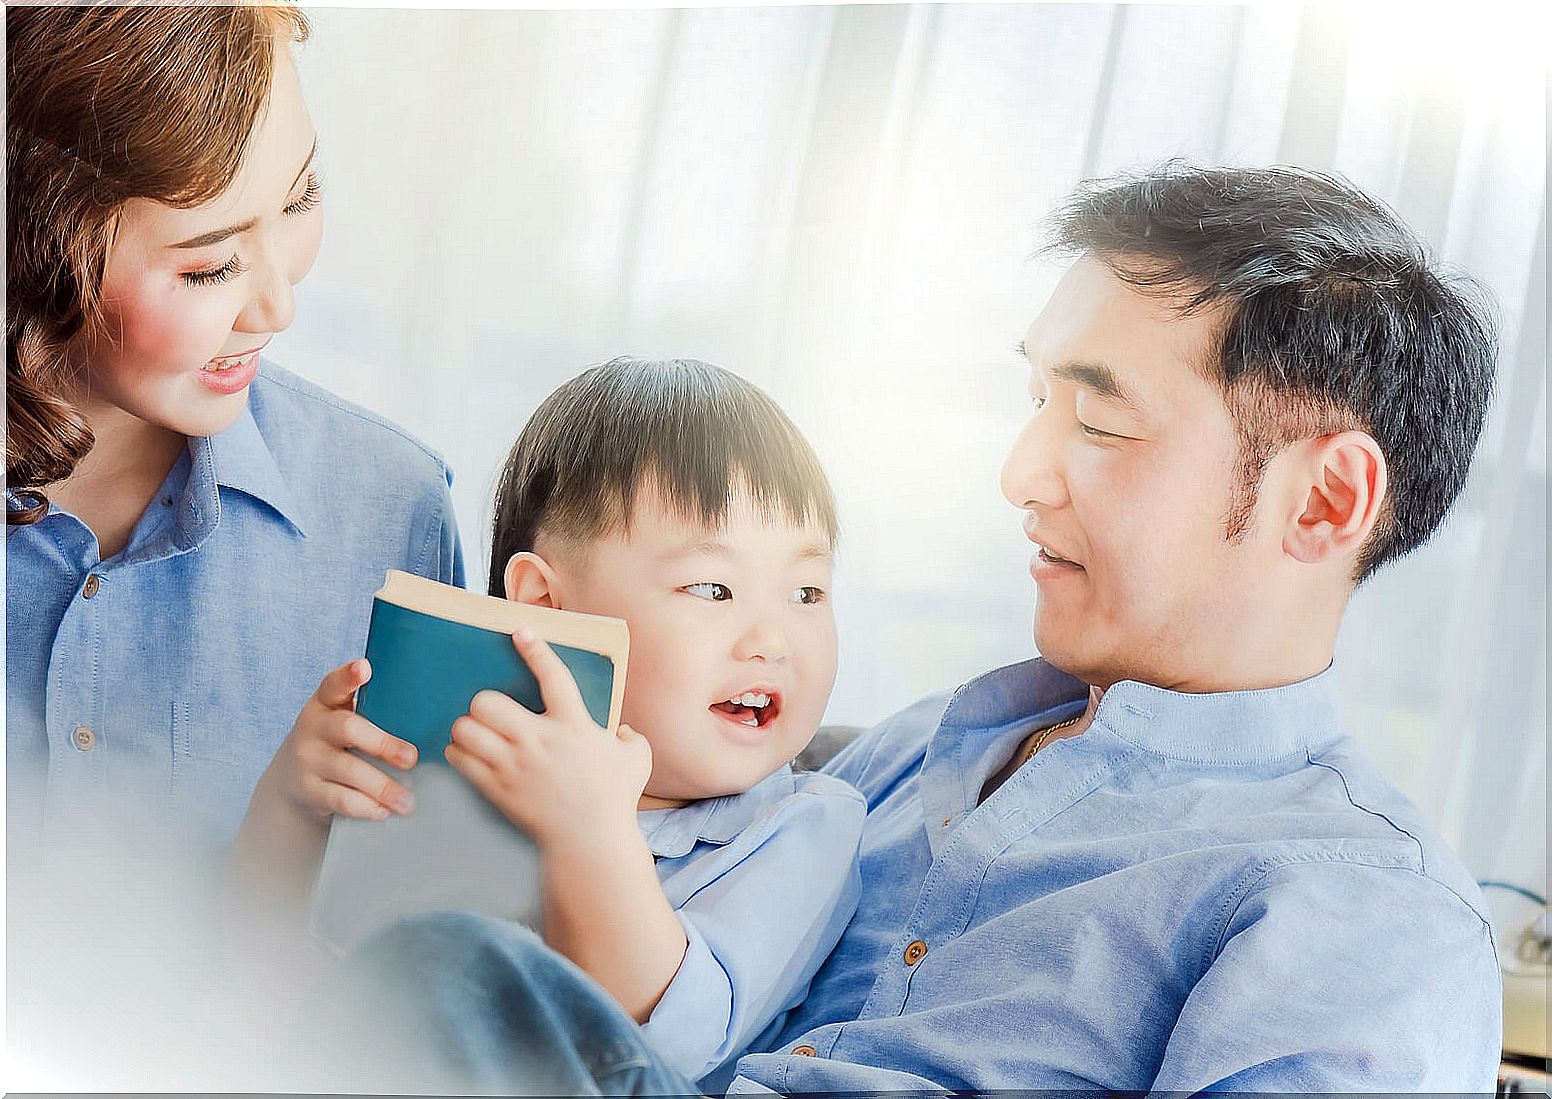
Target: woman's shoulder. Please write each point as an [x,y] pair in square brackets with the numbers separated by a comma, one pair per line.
[308,428]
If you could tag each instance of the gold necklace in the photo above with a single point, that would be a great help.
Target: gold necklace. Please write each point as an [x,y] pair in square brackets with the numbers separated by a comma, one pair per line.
[1045,735]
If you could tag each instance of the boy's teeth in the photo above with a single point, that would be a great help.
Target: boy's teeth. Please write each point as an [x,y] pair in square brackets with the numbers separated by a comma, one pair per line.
[751,698]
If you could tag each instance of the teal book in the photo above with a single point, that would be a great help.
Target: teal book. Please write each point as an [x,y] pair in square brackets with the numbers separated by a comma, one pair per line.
[432,648]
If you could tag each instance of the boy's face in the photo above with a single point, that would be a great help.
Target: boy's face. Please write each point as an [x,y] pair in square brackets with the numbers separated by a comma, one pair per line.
[732,638]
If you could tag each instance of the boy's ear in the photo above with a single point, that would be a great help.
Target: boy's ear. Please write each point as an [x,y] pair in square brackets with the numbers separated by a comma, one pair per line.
[530,579]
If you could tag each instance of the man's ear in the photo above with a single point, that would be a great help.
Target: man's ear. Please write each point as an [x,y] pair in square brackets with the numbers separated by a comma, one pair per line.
[1344,490]
[531,579]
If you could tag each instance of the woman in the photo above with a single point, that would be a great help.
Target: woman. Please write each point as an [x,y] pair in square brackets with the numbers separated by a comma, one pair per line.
[193,534]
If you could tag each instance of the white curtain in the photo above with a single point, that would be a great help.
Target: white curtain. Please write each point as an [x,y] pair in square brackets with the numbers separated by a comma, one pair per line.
[839,203]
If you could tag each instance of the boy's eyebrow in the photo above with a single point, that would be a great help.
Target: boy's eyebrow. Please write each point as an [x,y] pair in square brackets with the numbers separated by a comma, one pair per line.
[714,547]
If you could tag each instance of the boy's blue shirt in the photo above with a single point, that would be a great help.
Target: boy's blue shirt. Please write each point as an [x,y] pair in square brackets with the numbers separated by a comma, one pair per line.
[764,883]
[249,576]
[1200,892]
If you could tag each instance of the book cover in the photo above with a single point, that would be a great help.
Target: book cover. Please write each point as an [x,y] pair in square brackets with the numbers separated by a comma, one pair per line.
[432,648]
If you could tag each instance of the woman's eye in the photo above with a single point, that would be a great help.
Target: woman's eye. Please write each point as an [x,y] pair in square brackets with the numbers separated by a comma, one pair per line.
[309,198]
[808,595]
[228,270]
[708,589]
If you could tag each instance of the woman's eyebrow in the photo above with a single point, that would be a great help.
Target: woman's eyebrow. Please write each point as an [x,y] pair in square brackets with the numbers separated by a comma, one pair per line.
[216,236]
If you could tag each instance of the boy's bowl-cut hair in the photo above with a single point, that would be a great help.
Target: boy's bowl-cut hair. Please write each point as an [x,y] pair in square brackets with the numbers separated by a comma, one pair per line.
[699,431]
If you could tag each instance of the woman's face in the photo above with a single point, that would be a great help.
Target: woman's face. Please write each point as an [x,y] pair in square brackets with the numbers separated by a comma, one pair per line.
[190,296]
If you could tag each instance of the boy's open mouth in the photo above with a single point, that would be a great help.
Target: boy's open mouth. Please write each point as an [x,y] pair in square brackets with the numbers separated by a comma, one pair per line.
[754,709]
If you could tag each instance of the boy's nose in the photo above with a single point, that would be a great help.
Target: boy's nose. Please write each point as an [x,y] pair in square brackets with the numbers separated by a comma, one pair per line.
[761,640]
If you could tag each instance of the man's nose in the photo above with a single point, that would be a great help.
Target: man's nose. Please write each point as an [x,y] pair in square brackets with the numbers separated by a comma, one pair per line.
[1032,473]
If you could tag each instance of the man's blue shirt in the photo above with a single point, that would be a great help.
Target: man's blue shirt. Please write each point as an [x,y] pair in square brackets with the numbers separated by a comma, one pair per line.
[155,686]
[1206,891]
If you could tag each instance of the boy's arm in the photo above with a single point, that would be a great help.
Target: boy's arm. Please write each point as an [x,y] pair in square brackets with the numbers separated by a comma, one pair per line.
[762,914]
[574,788]
[315,775]
[604,909]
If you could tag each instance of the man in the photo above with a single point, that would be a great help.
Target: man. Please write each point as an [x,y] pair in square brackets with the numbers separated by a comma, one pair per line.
[1148,859]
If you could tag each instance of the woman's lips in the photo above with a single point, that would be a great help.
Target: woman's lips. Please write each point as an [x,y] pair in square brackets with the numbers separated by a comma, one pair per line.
[231,374]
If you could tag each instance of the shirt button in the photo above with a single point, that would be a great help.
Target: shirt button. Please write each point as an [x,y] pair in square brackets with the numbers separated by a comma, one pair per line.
[915,952]
[804,1051]
[83,738]
[91,586]
[947,821]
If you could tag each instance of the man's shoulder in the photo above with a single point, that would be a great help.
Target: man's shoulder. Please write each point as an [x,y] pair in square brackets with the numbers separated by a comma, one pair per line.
[309,429]
[1383,830]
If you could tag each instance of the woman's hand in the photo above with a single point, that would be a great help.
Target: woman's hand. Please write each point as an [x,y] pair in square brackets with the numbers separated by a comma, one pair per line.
[557,775]
[315,773]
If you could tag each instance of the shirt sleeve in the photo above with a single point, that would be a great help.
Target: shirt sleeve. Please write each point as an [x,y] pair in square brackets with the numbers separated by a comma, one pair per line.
[1303,996]
[760,926]
[442,557]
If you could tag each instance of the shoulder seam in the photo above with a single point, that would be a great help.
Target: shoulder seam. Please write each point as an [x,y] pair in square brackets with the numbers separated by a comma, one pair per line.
[1257,874]
[1422,860]
[339,404]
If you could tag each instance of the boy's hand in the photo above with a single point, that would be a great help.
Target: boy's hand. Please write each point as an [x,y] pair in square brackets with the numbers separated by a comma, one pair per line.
[556,775]
[316,774]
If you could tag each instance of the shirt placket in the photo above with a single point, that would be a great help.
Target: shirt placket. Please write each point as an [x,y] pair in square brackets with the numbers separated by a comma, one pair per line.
[75,708]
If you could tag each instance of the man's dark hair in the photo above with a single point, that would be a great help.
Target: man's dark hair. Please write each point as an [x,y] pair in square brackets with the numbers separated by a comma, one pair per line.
[1333,317]
[698,431]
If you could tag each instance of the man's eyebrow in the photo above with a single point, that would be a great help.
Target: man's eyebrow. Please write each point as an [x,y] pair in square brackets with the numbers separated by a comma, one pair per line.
[1099,379]
[216,236]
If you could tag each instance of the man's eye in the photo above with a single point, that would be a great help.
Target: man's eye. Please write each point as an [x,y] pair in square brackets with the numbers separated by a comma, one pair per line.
[808,595]
[710,590]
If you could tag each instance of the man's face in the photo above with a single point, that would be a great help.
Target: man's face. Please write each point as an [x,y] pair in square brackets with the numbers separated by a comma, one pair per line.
[1126,471]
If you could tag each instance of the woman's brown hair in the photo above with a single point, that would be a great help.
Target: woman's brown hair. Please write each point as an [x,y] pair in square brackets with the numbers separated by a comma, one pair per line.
[103,105]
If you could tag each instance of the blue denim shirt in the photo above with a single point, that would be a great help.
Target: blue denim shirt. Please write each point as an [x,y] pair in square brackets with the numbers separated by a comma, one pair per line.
[151,689]
[1200,892]
[763,882]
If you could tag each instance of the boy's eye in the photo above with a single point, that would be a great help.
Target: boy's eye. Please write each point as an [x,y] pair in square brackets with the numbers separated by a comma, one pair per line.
[808,595]
[228,270]
[1094,432]
[709,589]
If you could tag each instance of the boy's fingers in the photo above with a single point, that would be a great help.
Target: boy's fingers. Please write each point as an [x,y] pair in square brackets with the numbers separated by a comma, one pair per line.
[357,732]
[479,773]
[481,740]
[556,683]
[356,773]
[339,686]
[344,801]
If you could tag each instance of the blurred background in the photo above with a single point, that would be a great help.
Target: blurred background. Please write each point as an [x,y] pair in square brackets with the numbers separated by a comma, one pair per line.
[840,203]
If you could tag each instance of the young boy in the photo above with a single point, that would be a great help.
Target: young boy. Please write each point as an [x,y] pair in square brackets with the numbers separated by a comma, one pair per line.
[687,868]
